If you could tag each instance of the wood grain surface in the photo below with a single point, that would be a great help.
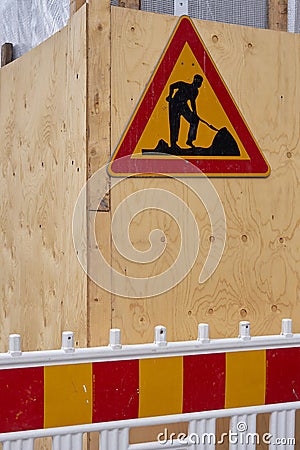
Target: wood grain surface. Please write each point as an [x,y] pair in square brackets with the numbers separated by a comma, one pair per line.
[43,167]
[66,105]
[257,278]
[75,5]
[98,154]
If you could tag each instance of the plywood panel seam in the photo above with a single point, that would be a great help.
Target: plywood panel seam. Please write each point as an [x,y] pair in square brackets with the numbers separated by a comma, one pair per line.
[98,151]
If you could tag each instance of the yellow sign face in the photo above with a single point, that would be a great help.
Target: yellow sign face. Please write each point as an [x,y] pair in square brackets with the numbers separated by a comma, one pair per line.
[208,107]
[187,114]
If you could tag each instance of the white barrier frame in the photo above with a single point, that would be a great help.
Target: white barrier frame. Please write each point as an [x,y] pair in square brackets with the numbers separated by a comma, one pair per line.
[115,351]
[115,435]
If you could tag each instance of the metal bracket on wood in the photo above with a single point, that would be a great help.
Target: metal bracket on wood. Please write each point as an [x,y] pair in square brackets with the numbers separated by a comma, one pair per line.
[181,7]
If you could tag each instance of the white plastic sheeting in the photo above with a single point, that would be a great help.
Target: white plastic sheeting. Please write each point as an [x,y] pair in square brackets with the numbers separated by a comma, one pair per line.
[252,13]
[27,23]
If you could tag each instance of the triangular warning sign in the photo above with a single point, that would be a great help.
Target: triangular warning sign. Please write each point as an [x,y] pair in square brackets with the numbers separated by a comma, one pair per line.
[186,113]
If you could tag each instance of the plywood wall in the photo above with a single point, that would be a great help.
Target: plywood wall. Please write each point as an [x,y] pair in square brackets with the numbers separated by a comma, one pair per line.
[43,167]
[43,163]
[258,276]
[64,106]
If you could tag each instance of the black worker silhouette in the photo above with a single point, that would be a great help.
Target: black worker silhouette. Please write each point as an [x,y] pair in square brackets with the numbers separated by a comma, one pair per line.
[178,106]
[181,95]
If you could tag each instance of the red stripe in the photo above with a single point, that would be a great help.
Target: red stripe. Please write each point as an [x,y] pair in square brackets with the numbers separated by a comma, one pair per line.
[22,399]
[115,390]
[283,375]
[203,382]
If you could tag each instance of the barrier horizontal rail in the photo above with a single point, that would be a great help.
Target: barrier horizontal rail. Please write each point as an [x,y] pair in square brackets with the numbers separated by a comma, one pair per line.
[234,413]
[115,351]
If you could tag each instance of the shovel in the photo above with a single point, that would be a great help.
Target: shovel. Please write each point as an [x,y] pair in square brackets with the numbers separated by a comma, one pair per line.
[223,144]
[208,124]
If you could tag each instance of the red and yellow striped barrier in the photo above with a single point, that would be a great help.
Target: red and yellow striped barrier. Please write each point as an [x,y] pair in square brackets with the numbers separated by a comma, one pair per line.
[62,395]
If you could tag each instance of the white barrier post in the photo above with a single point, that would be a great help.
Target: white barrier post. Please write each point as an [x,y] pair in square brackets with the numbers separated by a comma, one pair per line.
[68,342]
[203,332]
[286,329]
[115,338]
[15,345]
[160,336]
[245,331]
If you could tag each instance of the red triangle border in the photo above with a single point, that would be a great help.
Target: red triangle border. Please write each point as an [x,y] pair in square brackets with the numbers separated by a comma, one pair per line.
[122,163]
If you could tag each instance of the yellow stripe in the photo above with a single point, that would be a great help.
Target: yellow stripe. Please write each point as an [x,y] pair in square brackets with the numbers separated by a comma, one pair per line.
[161,386]
[68,395]
[245,379]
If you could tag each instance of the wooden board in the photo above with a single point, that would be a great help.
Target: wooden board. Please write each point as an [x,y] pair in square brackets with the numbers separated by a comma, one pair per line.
[278,14]
[6,53]
[98,153]
[75,5]
[258,276]
[43,167]
[134,4]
